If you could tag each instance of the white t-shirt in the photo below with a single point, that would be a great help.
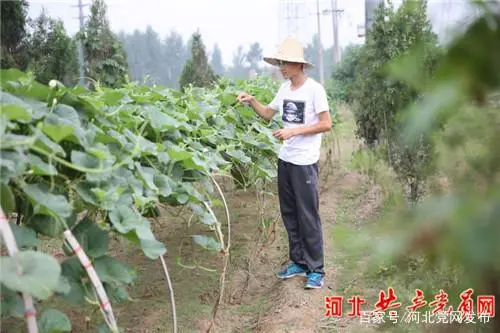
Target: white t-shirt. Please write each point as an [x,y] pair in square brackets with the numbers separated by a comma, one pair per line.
[299,108]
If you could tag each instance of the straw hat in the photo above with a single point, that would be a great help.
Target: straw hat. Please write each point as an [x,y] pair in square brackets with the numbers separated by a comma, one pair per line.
[290,50]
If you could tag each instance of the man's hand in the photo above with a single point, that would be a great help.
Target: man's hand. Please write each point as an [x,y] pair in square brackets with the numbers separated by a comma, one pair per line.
[284,134]
[245,98]
[263,111]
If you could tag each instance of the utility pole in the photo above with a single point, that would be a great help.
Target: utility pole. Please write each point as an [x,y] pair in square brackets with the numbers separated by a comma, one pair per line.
[320,46]
[336,46]
[370,7]
[81,57]
[335,27]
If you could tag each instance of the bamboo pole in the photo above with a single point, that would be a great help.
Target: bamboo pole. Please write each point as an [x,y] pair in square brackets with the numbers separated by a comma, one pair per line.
[105,305]
[10,243]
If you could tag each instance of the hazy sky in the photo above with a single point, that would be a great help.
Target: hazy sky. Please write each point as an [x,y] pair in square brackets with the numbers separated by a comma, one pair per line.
[232,22]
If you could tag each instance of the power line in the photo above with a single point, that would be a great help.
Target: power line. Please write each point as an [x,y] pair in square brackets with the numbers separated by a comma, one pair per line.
[291,20]
[335,27]
[320,46]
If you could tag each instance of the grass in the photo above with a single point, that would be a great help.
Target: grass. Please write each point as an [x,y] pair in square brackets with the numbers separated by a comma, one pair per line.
[362,241]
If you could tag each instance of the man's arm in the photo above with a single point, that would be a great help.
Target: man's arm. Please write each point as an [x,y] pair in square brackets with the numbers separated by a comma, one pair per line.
[321,107]
[265,111]
[324,125]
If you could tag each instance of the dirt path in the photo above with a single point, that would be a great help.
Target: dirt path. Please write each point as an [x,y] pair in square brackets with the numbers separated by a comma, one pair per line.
[287,306]
[299,310]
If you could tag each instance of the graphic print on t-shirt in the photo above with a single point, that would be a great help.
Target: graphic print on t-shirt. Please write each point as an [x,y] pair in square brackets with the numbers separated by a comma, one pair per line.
[293,111]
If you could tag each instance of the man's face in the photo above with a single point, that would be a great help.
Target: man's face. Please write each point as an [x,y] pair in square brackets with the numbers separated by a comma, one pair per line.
[289,69]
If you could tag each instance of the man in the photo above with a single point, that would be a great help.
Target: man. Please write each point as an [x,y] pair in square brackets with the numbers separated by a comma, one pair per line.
[303,106]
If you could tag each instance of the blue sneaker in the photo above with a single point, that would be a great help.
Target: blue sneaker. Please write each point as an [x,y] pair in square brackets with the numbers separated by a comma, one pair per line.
[314,280]
[292,270]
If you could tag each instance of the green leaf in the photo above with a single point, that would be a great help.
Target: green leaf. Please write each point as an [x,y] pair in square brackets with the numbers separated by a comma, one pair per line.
[178,154]
[123,218]
[195,163]
[64,123]
[40,167]
[246,112]
[147,174]
[54,321]
[7,200]
[92,239]
[24,236]
[100,151]
[12,164]
[84,190]
[114,272]
[39,109]
[197,209]
[182,198]
[43,142]
[73,272]
[239,155]
[84,160]
[111,194]
[11,303]
[40,273]
[87,161]
[14,108]
[163,183]
[207,219]
[163,157]
[206,242]
[63,286]
[150,246]
[161,121]
[76,294]
[137,230]
[116,294]
[45,225]
[24,84]
[112,97]
[193,194]
[72,269]
[228,99]
[47,203]
[57,131]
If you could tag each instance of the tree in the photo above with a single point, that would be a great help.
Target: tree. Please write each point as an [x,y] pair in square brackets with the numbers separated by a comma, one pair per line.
[344,74]
[153,49]
[254,56]
[311,53]
[49,37]
[380,102]
[238,69]
[159,60]
[135,51]
[216,61]
[175,55]
[13,34]
[106,61]
[197,71]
